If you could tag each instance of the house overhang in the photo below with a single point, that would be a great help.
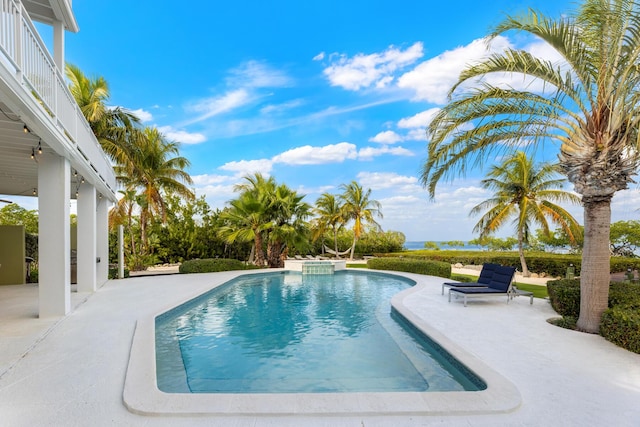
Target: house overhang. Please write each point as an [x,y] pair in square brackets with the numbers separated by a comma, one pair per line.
[48,11]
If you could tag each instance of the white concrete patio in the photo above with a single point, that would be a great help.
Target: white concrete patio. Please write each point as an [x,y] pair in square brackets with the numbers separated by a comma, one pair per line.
[71,371]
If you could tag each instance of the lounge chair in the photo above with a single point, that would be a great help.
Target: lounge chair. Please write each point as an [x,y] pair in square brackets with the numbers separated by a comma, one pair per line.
[500,285]
[483,281]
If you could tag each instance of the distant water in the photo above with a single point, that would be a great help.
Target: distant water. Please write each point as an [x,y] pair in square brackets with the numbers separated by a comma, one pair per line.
[417,245]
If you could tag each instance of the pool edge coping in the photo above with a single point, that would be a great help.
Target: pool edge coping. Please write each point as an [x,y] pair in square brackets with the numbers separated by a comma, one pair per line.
[142,396]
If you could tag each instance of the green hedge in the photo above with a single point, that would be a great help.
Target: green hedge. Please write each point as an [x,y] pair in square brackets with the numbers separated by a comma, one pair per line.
[621,326]
[620,323]
[213,265]
[564,295]
[429,267]
[538,262]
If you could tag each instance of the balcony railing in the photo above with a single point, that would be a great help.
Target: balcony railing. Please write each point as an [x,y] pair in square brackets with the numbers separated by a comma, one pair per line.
[24,52]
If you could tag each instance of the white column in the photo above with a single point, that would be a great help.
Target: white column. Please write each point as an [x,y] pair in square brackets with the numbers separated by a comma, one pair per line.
[102,240]
[54,242]
[58,45]
[87,238]
[120,251]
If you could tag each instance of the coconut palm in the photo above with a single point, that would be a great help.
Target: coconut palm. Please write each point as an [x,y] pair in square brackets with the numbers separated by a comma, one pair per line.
[330,216]
[589,106]
[115,128]
[358,206]
[527,194]
[155,169]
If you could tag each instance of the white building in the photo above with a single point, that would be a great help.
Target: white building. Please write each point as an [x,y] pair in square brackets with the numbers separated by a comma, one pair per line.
[48,150]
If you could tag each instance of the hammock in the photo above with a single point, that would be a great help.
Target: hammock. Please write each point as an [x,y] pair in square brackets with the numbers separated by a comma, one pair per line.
[332,252]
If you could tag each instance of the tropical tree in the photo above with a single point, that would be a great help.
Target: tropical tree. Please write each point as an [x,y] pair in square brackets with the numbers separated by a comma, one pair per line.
[266,214]
[14,214]
[625,238]
[329,216]
[115,128]
[525,193]
[156,169]
[287,213]
[357,206]
[588,105]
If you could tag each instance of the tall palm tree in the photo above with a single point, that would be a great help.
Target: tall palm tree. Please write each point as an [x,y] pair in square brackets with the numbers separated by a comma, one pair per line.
[244,222]
[156,169]
[287,213]
[589,107]
[115,128]
[358,206]
[266,213]
[329,216]
[528,193]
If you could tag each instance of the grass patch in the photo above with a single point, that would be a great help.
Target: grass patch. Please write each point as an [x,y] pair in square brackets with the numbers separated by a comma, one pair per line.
[538,291]
[357,266]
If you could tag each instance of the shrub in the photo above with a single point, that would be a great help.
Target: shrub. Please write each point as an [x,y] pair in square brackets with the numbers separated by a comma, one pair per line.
[621,326]
[212,265]
[429,267]
[113,273]
[553,264]
[564,295]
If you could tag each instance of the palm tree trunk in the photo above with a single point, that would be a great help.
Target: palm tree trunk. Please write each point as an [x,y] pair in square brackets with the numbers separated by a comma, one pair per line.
[259,253]
[353,246]
[523,262]
[335,242]
[595,273]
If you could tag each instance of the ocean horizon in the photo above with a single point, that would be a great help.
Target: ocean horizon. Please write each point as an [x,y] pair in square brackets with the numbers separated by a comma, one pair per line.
[419,244]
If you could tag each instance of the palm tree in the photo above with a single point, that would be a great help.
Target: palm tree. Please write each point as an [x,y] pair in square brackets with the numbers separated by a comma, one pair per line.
[358,207]
[526,192]
[287,213]
[244,222]
[155,169]
[114,127]
[329,216]
[266,212]
[589,106]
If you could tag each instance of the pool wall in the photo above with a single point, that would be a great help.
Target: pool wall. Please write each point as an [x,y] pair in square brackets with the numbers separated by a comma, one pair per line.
[141,394]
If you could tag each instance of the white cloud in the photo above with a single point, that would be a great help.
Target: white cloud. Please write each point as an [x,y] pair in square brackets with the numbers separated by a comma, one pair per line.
[377,69]
[368,153]
[217,105]
[182,136]
[386,137]
[255,74]
[385,180]
[207,179]
[281,108]
[432,79]
[420,120]
[416,135]
[143,115]
[245,167]
[319,57]
[308,155]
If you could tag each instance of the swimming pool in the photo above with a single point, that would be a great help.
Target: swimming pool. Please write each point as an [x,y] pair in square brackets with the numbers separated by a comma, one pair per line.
[293,333]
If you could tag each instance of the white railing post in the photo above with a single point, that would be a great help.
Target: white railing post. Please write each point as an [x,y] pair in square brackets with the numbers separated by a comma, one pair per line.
[18,39]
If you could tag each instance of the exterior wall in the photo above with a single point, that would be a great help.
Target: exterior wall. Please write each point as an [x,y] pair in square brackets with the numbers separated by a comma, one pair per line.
[12,248]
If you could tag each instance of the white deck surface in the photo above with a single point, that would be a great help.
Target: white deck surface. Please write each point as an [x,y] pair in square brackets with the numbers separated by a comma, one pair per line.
[71,371]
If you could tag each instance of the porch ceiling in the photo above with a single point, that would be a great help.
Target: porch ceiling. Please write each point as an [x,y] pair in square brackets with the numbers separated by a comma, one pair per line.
[47,11]
[18,171]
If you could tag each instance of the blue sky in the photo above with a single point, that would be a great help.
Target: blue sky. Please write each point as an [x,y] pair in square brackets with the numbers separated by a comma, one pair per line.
[314,93]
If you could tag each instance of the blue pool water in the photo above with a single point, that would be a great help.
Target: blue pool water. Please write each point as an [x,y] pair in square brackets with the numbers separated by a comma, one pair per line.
[288,333]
